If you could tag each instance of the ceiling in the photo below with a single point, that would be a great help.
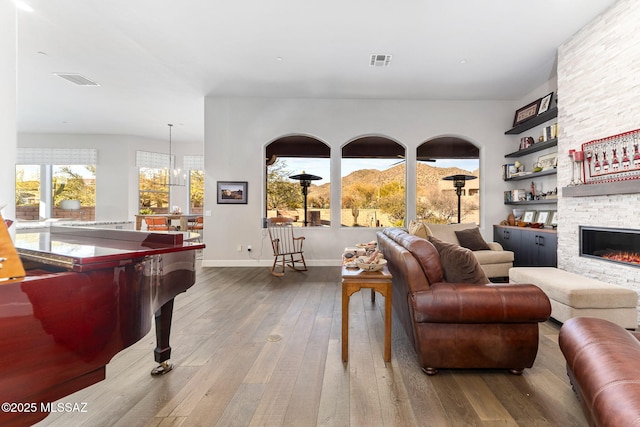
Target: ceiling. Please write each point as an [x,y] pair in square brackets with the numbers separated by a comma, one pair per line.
[156,60]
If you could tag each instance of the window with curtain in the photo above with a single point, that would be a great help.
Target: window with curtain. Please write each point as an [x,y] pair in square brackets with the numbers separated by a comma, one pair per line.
[28,192]
[45,177]
[153,190]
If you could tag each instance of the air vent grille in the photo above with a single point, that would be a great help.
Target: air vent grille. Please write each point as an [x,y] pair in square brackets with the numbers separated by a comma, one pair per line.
[77,79]
[378,60]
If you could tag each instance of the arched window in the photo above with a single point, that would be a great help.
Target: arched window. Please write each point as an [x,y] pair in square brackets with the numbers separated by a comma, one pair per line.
[373,183]
[436,198]
[294,155]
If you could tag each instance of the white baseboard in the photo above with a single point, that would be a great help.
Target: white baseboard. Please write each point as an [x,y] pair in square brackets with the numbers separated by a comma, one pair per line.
[264,263]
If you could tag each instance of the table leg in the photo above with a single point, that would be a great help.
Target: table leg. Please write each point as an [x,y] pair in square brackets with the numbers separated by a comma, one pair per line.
[387,325]
[345,324]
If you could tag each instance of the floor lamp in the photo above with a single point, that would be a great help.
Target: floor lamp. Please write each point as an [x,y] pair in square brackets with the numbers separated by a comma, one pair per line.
[305,181]
[458,184]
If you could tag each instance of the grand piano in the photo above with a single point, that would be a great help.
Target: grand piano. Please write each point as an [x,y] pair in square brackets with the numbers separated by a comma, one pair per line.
[85,295]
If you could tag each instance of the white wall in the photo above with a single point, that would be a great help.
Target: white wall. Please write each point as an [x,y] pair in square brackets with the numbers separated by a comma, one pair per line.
[237,130]
[8,108]
[599,92]
[116,172]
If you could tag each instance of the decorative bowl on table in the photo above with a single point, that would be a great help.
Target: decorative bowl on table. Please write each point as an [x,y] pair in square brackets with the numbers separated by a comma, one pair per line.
[377,265]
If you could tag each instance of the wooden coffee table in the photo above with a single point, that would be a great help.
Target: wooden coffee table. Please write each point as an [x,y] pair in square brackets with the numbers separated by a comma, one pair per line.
[379,281]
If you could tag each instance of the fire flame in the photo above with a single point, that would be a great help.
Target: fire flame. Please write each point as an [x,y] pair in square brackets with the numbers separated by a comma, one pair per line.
[629,257]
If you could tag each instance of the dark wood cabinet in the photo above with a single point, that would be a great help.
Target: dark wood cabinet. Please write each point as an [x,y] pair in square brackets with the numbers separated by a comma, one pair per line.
[532,247]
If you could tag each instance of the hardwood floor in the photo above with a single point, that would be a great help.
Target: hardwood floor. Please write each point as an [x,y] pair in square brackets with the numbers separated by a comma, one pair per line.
[251,349]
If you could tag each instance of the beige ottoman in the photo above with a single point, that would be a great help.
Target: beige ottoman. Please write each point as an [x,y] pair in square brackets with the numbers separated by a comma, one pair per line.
[572,295]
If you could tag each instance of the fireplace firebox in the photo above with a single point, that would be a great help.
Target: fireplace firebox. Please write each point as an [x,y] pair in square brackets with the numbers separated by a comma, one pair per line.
[617,245]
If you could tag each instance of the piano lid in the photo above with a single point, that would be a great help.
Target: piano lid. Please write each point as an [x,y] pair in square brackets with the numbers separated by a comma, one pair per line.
[77,248]
[10,264]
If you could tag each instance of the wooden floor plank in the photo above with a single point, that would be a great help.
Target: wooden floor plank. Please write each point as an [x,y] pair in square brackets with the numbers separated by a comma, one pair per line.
[253,349]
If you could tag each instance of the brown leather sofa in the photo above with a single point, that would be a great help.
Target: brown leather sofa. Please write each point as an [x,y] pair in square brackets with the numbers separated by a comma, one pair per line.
[602,364]
[460,325]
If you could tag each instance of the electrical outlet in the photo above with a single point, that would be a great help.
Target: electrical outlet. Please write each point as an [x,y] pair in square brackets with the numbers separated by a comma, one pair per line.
[239,248]
[249,248]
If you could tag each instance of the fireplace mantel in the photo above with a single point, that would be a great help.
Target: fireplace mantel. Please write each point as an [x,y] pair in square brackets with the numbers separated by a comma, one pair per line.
[604,189]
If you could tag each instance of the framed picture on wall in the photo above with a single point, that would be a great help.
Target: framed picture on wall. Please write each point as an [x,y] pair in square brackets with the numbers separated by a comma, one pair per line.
[553,219]
[232,192]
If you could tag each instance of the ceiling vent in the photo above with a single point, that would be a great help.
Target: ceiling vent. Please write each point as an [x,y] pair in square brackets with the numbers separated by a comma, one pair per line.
[78,79]
[379,60]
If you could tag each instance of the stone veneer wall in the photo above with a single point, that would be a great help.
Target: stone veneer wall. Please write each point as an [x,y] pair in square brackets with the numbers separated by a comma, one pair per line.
[599,96]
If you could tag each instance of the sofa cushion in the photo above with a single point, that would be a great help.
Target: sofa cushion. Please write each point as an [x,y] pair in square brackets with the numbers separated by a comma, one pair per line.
[420,229]
[472,239]
[493,257]
[459,265]
[447,232]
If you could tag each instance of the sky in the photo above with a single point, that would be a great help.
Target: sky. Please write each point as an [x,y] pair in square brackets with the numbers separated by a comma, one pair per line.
[320,167]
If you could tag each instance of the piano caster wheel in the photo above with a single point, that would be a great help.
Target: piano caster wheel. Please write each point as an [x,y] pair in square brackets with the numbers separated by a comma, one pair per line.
[162,369]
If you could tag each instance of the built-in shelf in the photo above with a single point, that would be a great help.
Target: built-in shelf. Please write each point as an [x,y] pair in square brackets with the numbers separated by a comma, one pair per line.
[534,202]
[535,121]
[533,175]
[538,146]
[603,189]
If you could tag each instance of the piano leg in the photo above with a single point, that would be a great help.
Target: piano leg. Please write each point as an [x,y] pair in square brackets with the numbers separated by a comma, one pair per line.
[162,352]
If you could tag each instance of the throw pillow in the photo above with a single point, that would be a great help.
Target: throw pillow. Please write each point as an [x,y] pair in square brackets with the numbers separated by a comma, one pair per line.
[459,265]
[419,229]
[472,239]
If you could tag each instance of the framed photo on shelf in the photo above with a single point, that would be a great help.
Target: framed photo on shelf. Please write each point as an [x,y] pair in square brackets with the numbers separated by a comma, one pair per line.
[553,219]
[528,216]
[525,113]
[232,192]
[548,161]
[545,103]
[543,217]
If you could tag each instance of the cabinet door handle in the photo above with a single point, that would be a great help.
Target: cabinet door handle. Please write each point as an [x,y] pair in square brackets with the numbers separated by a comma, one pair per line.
[535,239]
[506,234]
[541,240]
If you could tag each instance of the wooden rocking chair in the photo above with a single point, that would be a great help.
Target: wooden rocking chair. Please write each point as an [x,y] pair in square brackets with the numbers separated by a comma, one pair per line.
[285,245]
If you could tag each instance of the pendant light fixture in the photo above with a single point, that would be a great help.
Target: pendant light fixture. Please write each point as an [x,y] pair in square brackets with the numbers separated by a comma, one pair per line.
[176,177]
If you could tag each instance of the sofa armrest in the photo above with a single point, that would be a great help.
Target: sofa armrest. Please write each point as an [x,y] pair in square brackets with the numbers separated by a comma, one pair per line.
[468,303]
[495,246]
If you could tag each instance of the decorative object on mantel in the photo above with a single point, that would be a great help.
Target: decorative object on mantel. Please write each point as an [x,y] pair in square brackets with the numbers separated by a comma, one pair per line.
[578,157]
[612,159]
[573,169]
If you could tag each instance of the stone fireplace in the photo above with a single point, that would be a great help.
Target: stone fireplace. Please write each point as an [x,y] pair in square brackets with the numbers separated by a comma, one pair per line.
[618,245]
[598,92]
